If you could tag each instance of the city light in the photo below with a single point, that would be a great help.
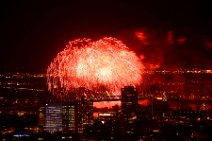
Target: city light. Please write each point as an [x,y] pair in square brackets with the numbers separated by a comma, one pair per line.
[105,71]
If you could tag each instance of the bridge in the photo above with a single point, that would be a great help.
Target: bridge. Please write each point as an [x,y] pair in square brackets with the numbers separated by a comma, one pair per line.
[87,95]
[111,98]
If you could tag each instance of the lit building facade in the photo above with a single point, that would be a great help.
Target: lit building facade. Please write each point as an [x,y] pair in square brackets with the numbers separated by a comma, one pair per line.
[129,102]
[69,118]
[53,122]
[129,107]
[76,115]
[84,114]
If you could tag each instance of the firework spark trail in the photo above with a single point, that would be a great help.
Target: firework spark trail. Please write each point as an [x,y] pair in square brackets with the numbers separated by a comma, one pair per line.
[105,65]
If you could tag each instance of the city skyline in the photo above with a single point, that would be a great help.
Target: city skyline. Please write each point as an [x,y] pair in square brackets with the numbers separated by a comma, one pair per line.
[105,70]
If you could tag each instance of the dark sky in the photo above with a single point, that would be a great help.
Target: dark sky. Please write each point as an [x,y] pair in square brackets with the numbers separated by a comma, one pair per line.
[33,32]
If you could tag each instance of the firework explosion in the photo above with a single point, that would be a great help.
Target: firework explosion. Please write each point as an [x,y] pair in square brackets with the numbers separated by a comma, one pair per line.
[105,65]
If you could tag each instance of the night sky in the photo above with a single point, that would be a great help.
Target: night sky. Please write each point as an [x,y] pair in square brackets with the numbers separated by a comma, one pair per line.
[33,32]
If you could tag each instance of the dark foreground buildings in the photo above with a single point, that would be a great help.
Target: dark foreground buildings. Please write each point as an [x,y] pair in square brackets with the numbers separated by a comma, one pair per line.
[177,107]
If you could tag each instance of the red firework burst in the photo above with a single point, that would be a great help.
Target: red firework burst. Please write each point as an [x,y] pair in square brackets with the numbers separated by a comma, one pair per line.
[105,65]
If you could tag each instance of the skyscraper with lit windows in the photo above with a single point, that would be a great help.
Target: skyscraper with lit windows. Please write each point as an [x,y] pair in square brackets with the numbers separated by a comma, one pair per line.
[69,118]
[129,102]
[129,105]
[75,115]
[53,122]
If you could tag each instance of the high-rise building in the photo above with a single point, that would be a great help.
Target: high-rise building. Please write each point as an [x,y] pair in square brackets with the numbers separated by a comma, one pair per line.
[129,101]
[69,118]
[129,106]
[84,114]
[53,122]
[76,115]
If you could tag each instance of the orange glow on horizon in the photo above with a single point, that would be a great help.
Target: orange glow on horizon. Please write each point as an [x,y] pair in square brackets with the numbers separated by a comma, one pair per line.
[106,104]
[144,102]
